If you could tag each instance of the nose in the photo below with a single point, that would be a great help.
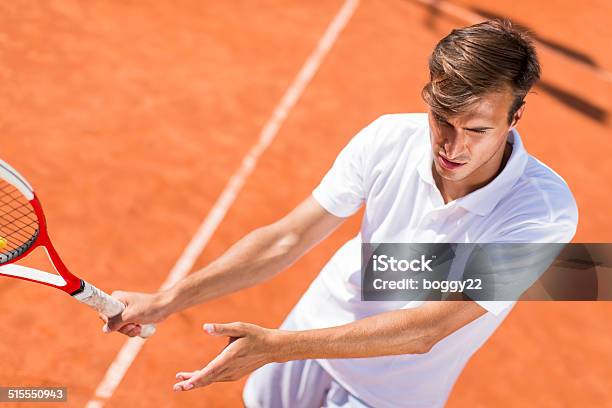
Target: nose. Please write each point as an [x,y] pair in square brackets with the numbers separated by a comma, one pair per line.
[454,144]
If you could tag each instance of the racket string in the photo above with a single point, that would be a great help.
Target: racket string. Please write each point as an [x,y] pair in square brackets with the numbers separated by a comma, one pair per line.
[29,213]
[18,232]
[19,210]
[23,218]
[25,231]
[23,214]
[18,222]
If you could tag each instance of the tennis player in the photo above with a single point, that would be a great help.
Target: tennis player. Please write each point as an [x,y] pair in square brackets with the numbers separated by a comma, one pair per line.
[457,173]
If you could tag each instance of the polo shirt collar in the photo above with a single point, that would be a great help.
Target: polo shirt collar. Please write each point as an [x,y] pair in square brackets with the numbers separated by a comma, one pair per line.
[483,200]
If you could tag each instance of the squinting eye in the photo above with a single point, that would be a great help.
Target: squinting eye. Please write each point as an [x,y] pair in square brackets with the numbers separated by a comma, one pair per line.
[478,131]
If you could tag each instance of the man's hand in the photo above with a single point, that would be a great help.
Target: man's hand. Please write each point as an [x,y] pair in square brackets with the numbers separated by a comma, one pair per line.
[140,308]
[249,348]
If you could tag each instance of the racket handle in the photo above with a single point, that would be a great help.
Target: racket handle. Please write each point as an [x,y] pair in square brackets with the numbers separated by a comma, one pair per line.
[103,303]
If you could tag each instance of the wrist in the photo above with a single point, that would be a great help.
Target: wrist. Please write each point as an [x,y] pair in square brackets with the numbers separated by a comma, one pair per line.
[164,303]
[285,346]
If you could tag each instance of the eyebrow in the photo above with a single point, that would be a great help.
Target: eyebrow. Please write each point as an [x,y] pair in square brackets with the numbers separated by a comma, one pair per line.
[477,128]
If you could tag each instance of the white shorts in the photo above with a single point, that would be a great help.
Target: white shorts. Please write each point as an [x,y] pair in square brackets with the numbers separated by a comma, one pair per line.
[296,384]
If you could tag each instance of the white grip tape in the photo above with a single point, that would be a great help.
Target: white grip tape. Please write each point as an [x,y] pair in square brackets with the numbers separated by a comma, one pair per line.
[107,305]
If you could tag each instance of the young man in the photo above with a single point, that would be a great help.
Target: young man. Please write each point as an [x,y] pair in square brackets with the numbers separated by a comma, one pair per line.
[458,173]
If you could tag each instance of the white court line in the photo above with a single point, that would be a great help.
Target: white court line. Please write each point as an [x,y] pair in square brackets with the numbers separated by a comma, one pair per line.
[116,371]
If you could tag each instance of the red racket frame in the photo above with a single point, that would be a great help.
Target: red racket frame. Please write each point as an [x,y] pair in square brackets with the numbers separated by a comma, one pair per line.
[73,284]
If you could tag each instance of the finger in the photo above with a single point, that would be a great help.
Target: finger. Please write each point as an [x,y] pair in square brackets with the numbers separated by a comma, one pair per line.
[236,329]
[182,386]
[186,380]
[185,375]
[130,329]
[120,295]
[205,376]
[125,329]
[200,379]
[115,323]
[134,332]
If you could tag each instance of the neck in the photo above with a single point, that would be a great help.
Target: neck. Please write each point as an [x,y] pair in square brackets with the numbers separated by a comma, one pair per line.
[452,190]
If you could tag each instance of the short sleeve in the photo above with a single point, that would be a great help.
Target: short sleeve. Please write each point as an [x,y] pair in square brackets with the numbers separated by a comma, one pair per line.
[342,190]
[535,232]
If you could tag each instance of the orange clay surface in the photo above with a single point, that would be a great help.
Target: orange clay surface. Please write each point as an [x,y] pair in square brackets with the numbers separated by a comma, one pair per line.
[129,118]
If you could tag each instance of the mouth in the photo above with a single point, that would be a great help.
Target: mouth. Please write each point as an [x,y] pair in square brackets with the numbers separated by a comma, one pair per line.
[447,164]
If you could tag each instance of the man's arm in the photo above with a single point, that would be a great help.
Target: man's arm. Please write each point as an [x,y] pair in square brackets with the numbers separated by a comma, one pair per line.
[405,331]
[257,257]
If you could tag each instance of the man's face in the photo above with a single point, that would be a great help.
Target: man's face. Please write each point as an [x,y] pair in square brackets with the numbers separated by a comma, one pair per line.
[472,144]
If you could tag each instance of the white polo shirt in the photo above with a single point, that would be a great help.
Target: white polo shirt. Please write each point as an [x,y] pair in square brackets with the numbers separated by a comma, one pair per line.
[387,166]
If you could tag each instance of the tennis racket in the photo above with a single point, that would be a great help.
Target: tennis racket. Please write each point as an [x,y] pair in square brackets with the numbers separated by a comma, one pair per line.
[23,228]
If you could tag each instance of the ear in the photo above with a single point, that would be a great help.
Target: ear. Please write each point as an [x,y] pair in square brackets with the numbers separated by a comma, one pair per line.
[518,115]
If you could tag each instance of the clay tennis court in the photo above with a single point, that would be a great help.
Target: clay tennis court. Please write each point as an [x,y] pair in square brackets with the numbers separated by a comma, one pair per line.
[133,119]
